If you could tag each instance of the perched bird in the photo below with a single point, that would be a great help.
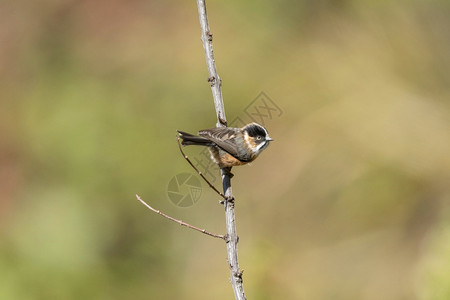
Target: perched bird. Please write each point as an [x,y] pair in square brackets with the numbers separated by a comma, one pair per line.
[230,147]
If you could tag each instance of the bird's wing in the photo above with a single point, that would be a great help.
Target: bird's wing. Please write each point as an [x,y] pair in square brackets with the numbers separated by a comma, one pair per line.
[222,137]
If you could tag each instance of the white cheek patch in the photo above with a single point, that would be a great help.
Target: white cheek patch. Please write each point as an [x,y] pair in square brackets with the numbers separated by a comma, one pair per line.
[261,146]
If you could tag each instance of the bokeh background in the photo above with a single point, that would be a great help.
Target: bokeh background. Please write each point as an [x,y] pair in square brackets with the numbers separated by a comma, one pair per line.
[350,201]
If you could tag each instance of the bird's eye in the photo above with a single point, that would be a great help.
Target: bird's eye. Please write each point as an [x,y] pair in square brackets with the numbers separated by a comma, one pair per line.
[258,137]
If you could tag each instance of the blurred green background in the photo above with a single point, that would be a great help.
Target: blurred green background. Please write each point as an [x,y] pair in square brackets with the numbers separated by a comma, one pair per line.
[351,201]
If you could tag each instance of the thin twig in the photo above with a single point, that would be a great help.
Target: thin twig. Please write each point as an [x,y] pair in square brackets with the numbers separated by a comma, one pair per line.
[198,171]
[179,221]
[216,83]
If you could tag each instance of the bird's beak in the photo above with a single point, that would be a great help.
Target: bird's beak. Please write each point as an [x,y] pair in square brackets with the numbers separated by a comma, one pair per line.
[269,139]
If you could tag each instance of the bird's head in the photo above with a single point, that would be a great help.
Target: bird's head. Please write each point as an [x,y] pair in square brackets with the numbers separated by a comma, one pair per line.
[256,137]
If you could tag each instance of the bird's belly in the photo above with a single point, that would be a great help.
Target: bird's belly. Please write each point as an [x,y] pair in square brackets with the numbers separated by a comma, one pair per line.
[224,159]
[228,160]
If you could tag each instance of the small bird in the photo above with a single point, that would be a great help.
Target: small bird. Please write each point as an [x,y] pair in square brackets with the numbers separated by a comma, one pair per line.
[230,147]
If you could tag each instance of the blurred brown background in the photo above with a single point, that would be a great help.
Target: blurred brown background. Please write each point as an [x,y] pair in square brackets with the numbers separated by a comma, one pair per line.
[349,202]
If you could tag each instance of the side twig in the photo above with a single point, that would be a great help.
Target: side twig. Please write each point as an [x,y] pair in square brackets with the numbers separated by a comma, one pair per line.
[179,221]
[216,84]
[198,171]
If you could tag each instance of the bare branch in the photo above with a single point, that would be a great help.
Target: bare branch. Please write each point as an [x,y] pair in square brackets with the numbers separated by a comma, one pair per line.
[216,88]
[179,221]
[198,171]
[213,79]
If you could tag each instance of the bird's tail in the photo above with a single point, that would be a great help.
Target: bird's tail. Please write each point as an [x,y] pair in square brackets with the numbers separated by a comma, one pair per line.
[190,139]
